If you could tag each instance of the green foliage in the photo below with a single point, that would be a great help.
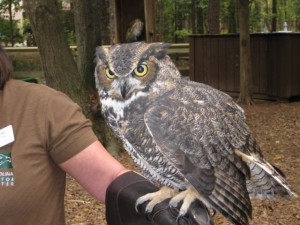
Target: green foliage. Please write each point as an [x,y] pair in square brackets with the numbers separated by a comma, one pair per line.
[5,31]
[174,17]
[203,4]
[164,20]
[5,3]
[9,29]
[182,34]
[229,16]
[26,26]
[255,20]
[293,14]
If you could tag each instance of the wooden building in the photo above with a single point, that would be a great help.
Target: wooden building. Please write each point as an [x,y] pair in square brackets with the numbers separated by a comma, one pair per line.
[214,60]
[124,12]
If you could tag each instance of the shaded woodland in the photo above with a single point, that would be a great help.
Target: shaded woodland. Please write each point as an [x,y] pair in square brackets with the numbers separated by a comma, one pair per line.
[174,19]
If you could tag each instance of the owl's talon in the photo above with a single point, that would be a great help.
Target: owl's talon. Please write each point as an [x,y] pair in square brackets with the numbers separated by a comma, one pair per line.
[174,202]
[187,197]
[142,200]
[212,212]
[154,198]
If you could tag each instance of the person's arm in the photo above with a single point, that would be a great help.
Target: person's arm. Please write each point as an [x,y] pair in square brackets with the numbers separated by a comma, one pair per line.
[94,169]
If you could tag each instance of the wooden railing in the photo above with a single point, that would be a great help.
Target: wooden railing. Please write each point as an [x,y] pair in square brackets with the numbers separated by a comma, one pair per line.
[175,50]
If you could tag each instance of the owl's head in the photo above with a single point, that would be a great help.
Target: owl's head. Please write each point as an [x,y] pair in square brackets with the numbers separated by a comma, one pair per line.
[125,70]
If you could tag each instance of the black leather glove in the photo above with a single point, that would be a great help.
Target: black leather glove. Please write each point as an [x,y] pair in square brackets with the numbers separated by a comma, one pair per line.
[120,202]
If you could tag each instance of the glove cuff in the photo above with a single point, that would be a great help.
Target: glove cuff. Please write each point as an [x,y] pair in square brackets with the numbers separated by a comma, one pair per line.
[121,196]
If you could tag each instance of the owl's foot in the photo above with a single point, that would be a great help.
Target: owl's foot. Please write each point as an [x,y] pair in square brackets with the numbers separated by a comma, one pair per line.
[187,197]
[155,198]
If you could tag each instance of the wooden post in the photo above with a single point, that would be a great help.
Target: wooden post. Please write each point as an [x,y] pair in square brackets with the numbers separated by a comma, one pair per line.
[245,55]
[150,20]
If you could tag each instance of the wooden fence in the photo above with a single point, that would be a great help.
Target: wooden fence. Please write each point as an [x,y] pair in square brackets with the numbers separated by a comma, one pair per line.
[175,50]
[214,60]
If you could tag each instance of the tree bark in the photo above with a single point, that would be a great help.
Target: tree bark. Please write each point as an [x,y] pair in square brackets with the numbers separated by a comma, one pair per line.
[11,23]
[245,55]
[232,16]
[104,21]
[57,60]
[214,16]
[200,20]
[274,16]
[88,37]
[193,17]
[266,20]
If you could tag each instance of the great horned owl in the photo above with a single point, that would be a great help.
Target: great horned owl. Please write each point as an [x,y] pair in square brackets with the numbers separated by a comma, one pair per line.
[184,135]
[134,30]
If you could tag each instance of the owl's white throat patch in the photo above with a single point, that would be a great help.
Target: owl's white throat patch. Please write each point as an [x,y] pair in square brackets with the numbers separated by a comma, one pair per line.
[118,105]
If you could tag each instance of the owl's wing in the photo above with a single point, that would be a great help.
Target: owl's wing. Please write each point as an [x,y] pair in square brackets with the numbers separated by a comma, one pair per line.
[198,128]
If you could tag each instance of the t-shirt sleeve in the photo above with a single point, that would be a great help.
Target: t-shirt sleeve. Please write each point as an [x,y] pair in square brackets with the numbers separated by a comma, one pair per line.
[69,131]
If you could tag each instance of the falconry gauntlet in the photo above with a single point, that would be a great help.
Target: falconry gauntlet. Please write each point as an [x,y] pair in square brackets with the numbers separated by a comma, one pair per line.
[121,198]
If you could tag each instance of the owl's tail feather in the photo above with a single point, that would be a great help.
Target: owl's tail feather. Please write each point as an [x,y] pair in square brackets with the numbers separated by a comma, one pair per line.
[227,196]
[265,182]
[235,217]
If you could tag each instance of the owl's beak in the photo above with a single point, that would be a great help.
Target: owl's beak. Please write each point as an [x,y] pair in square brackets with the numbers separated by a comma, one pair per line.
[124,88]
[123,91]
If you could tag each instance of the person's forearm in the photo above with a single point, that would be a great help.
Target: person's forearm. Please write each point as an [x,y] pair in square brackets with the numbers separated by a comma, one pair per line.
[94,169]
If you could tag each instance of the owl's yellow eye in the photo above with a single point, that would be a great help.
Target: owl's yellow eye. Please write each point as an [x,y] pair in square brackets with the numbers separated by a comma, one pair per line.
[109,73]
[141,70]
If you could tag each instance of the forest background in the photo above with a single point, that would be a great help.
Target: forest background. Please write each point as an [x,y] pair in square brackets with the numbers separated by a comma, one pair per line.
[175,19]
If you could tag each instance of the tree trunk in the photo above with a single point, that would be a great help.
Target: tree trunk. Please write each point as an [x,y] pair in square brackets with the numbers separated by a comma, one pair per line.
[200,20]
[245,55]
[274,15]
[266,20]
[214,16]
[232,16]
[175,19]
[11,23]
[193,17]
[57,60]
[88,37]
[104,21]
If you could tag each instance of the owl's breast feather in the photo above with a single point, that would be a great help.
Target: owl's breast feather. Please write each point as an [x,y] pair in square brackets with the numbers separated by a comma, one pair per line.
[117,107]
[127,121]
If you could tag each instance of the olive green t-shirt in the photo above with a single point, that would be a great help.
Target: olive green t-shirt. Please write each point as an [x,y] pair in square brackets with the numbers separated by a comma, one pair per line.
[48,129]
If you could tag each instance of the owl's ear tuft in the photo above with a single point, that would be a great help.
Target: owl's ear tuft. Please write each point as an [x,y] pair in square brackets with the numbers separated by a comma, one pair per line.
[160,49]
[100,53]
